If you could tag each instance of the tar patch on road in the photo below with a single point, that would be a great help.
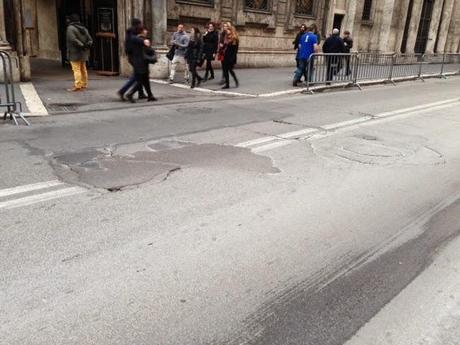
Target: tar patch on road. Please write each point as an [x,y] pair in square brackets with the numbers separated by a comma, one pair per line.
[133,165]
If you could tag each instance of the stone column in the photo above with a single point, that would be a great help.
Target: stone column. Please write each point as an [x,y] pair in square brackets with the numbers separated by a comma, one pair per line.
[453,40]
[385,27]
[2,24]
[413,26]
[434,26]
[445,23]
[404,9]
[349,22]
[160,21]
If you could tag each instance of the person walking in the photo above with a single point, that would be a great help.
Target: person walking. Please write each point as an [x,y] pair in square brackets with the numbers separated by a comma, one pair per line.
[142,55]
[220,54]
[230,52]
[308,45]
[296,42]
[314,29]
[79,42]
[136,25]
[194,55]
[333,45]
[348,42]
[210,44]
[180,41]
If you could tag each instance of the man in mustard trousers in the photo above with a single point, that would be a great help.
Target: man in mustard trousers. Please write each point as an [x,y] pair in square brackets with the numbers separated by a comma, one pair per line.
[79,43]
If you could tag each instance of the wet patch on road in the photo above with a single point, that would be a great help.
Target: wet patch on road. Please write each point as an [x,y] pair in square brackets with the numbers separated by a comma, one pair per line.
[329,311]
[135,164]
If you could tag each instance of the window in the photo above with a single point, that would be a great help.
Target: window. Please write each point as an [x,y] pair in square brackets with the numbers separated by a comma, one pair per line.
[257,5]
[367,10]
[304,7]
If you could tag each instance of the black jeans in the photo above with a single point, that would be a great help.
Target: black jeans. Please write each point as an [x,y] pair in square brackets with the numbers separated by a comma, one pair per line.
[142,80]
[209,69]
[195,76]
[228,69]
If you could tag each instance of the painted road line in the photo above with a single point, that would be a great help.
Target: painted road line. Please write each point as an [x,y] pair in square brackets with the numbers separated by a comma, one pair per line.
[289,135]
[258,141]
[418,107]
[299,134]
[33,199]
[33,101]
[348,123]
[201,89]
[280,140]
[271,146]
[29,188]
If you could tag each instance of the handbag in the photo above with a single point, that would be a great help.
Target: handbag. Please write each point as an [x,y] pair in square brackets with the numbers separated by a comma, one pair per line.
[170,54]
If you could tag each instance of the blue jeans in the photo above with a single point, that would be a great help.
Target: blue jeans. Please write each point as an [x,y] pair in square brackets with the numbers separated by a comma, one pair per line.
[302,70]
[131,81]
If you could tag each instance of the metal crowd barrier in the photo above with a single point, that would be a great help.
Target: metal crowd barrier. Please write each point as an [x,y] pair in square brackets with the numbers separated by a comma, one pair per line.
[13,107]
[330,69]
[351,69]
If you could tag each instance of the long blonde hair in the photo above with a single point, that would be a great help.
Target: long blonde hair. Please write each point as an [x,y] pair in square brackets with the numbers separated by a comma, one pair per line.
[232,35]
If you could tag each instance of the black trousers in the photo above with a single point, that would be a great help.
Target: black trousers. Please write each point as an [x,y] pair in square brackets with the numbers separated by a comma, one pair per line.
[142,80]
[228,69]
[195,76]
[209,69]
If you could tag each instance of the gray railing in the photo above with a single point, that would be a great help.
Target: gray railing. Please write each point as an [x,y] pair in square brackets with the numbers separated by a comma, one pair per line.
[354,68]
[8,100]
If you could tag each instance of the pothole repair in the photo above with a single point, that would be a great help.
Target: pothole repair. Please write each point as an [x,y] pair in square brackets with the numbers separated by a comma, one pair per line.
[133,165]
[389,149]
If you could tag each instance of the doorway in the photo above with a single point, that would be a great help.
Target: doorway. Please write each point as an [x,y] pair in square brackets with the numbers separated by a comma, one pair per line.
[338,19]
[424,27]
[100,17]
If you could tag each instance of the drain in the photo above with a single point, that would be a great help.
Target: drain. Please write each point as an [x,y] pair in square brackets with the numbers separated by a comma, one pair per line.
[66,107]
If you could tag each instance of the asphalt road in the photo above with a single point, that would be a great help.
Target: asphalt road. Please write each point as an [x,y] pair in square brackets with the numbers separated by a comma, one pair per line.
[286,220]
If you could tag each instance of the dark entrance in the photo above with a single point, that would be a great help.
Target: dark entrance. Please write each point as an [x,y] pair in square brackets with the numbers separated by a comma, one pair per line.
[424,26]
[100,17]
[338,19]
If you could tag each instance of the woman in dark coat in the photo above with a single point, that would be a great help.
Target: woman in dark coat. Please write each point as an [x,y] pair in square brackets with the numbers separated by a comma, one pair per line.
[230,52]
[220,51]
[194,55]
[210,43]
[142,55]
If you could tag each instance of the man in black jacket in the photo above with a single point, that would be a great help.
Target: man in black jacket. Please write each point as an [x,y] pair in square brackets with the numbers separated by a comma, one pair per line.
[333,45]
[348,42]
[136,24]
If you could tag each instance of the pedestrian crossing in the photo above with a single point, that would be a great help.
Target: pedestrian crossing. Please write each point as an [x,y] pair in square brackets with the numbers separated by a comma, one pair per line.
[34,193]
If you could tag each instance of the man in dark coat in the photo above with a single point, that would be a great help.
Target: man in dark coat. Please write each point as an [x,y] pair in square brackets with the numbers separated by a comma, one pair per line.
[78,43]
[333,45]
[142,55]
[136,25]
[296,42]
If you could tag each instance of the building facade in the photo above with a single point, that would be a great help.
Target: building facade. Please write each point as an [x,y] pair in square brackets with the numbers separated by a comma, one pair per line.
[36,28]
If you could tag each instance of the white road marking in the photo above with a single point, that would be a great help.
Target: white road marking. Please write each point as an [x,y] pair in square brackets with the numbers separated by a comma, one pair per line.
[29,188]
[33,199]
[33,101]
[348,123]
[271,146]
[418,107]
[258,141]
[280,140]
[216,92]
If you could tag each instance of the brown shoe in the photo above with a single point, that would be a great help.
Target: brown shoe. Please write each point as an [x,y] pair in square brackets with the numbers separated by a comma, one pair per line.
[74,89]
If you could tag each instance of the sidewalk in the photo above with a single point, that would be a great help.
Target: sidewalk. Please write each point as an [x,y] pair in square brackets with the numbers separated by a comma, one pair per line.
[51,81]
